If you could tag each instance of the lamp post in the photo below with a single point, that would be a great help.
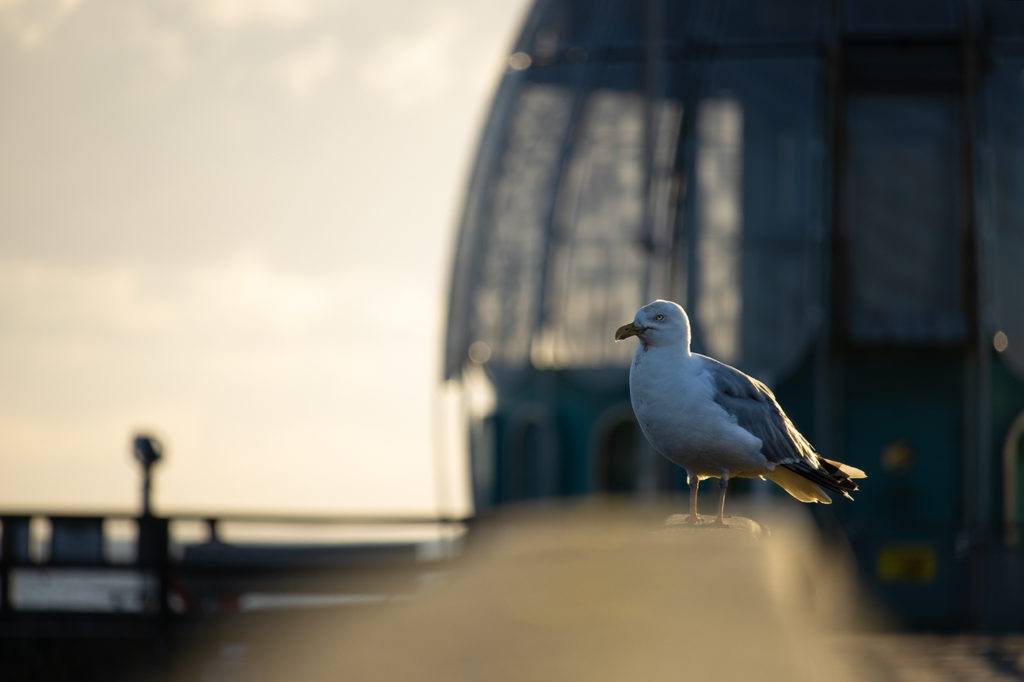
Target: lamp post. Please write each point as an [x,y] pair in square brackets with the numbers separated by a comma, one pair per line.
[153,535]
[147,451]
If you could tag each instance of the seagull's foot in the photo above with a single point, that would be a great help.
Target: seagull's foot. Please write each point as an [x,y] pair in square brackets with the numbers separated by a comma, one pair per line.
[692,520]
[719,523]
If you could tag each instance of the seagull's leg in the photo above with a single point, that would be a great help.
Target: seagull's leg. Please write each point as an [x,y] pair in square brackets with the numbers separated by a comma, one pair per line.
[723,483]
[694,483]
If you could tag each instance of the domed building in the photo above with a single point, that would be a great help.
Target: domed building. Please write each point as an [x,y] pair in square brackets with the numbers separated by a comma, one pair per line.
[834,192]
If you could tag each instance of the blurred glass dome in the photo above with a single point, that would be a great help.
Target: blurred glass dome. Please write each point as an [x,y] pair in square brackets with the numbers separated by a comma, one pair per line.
[769,165]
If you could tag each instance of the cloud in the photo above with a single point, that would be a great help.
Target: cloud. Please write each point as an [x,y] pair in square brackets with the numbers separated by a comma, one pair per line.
[241,294]
[31,21]
[241,299]
[409,67]
[42,298]
[165,45]
[246,288]
[304,69]
[232,14]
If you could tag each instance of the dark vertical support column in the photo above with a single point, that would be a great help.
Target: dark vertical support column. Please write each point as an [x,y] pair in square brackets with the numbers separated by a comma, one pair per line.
[6,554]
[15,552]
[152,555]
[827,368]
[977,455]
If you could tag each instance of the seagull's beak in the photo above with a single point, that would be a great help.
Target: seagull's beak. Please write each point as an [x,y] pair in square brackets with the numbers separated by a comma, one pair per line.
[628,330]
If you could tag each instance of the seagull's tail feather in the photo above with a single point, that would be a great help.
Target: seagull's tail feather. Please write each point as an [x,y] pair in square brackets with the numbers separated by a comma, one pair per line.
[831,475]
[799,487]
[851,472]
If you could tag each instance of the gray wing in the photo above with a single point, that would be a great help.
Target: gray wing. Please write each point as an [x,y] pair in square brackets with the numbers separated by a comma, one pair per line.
[754,407]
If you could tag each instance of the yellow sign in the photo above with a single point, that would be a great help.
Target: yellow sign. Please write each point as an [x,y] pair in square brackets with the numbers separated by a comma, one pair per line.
[906,563]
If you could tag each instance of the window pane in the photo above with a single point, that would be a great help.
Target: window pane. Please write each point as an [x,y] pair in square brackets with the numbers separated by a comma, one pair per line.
[902,210]
[757,21]
[904,16]
[507,298]
[600,261]
[756,212]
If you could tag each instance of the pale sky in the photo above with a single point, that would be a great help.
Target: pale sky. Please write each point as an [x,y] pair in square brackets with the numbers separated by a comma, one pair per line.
[229,221]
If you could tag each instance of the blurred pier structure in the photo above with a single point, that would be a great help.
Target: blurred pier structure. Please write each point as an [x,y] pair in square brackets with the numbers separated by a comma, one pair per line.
[106,594]
[592,588]
[832,191]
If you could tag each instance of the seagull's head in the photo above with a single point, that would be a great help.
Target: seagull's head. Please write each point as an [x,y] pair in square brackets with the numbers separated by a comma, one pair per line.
[660,323]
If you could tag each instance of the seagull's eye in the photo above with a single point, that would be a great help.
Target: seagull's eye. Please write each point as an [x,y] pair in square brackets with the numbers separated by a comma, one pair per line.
[659,317]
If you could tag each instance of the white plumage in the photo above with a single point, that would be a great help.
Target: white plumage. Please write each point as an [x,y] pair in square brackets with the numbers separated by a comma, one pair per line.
[715,421]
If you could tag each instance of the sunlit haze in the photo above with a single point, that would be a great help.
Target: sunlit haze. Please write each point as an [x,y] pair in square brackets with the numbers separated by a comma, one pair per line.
[229,222]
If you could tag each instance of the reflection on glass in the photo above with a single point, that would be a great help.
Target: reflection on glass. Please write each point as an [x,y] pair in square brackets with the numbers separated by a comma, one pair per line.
[758,228]
[600,259]
[601,209]
[605,197]
[719,165]
[507,301]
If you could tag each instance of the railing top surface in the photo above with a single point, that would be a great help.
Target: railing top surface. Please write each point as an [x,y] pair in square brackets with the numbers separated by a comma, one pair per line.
[245,517]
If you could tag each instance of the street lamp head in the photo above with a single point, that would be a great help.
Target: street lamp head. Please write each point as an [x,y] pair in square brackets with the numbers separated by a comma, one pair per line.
[147,449]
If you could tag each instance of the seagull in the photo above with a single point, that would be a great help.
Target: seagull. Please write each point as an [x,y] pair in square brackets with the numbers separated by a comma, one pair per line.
[715,421]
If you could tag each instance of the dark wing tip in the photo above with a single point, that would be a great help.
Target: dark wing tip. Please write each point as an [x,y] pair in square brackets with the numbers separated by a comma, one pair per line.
[837,474]
[827,475]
